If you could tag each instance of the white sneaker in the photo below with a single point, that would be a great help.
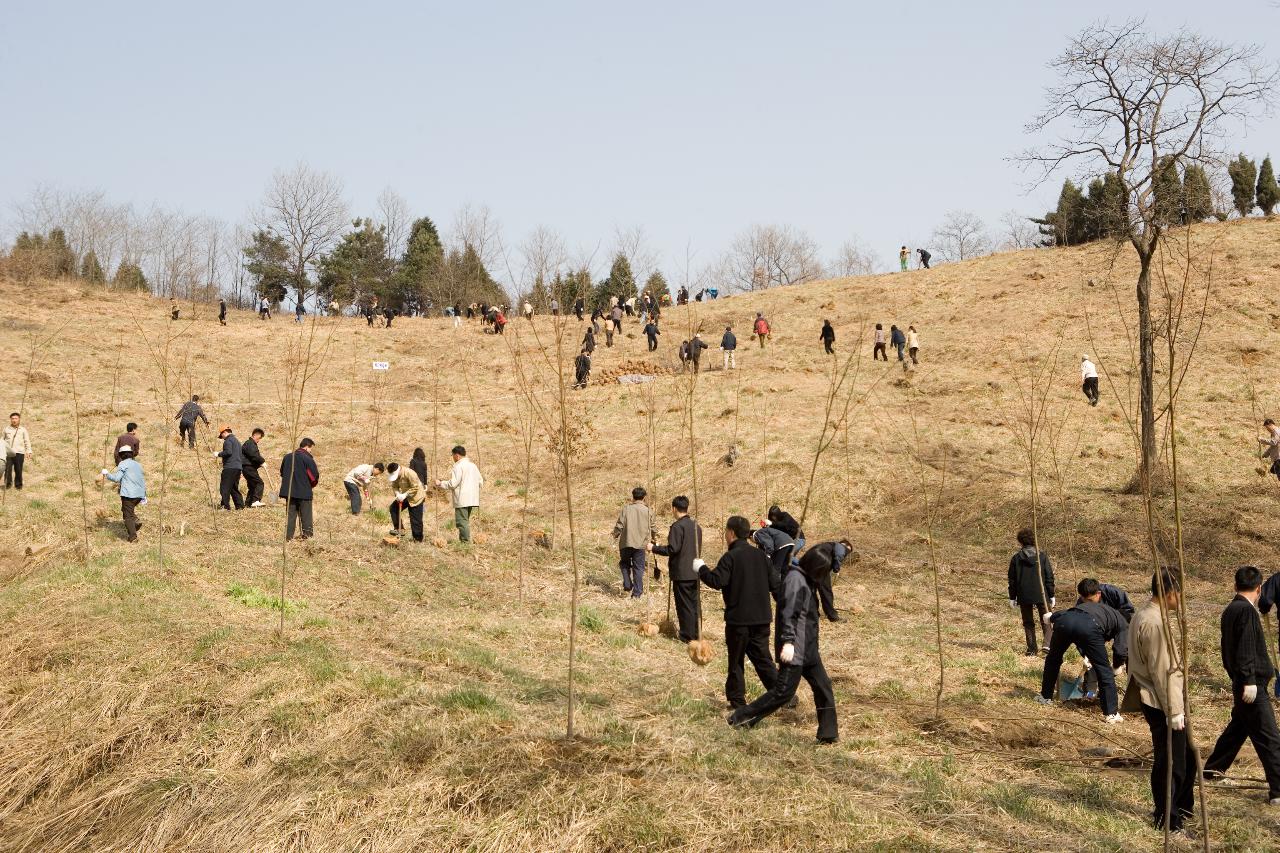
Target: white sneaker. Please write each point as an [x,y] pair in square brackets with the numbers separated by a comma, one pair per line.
[1113,718]
[257,503]
[1042,700]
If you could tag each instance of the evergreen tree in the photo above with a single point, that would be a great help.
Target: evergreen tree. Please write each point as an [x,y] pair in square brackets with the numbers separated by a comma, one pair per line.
[621,282]
[267,261]
[540,296]
[1069,221]
[421,267]
[357,265]
[129,277]
[1268,193]
[1244,177]
[90,269]
[1166,193]
[62,258]
[1197,198]
[657,285]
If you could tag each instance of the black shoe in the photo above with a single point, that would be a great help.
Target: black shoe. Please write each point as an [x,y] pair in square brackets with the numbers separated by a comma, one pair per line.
[835,617]
[828,741]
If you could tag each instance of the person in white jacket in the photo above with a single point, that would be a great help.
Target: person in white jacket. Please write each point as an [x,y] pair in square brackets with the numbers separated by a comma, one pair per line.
[1089,379]
[464,483]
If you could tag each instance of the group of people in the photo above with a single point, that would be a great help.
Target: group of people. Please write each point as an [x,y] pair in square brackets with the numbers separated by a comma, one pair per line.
[904,255]
[907,344]
[1142,643]
[766,579]
[409,487]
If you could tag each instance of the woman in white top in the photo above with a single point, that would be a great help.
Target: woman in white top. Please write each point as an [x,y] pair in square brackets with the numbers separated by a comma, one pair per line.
[913,343]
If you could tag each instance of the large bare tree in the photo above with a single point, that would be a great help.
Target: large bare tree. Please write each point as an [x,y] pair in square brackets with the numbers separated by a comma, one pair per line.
[961,235]
[1133,104]
[853,259]
[394,216]
[306,209]
[767,256]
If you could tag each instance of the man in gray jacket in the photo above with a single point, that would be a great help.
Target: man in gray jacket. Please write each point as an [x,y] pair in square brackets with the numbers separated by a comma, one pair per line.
[684,544]
[635,530]
[232,464]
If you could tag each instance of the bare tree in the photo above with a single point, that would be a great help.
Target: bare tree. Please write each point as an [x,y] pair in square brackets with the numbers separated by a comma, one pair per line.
[394,215]
[1019,231]
[854,258]
[767,256]
[961,235]
[306,209]
[543,254]
[1135,105]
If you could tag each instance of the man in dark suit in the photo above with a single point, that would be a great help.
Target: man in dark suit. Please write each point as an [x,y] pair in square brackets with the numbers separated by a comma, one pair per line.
[684,544]
[742,575]
[1245,658]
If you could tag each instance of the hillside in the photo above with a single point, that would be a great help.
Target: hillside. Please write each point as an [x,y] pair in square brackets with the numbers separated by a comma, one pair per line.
[416,702]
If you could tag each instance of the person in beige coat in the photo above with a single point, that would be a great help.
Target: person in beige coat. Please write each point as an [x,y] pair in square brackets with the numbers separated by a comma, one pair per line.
[410,495]
[17,447]
[1155,689]
[635,529]
[464,484]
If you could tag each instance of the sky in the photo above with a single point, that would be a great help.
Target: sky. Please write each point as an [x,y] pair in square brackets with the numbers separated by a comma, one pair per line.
[694,119]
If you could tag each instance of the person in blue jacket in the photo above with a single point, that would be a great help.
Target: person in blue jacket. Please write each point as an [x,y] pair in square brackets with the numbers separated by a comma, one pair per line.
[133,490]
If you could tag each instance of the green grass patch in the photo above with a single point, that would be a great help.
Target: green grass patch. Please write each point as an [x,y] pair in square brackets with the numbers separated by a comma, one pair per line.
[1013,800]
[251,596]
[317,658]
[471,699]
[591,620]
[206,642]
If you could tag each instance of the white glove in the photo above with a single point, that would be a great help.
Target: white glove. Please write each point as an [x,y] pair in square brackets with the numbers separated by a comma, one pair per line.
[215,456]
[1047,619]
[788,653]
[1178,722]
[1013,602]
[1053,602]
[1250,693]
[699,564]
[105,472]
[400,496]
[1088,664]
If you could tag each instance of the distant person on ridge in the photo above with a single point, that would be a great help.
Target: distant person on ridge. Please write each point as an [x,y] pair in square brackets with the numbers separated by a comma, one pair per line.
[924,257]
[298,311]
[878,351]
[1089,379]
[1029,571]
[898,340]
[635,530]
[615,314]
[651,333]
[729,344]
[173,309]
[186,419]
[761,328]
[903,256]
[579,306]
[828,337]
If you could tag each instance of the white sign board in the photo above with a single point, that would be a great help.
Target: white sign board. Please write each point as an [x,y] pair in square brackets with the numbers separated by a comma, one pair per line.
[382,365]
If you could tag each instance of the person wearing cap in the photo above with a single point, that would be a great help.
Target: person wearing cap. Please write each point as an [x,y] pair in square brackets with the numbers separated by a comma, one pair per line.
[464,485]
[253,460]
[299,475]
[1089,379]
[409,495]
[232,465]
[129,438]
[133,490]
[696,346]
[16,442]
[186,419]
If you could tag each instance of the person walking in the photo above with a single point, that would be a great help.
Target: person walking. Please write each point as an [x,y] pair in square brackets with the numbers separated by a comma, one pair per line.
[582,369]
[903,255]
[1271,446]
[133,490]
[1031,586]
[187,417]
[298,311]
[615,315]
[232,465]
[389,314]
[128,438]
[651,332]
[528,311]
[761,329]
[299,475]
[579,307]
[828,337]
[924,257]
[464,485]
[1089,626]
[589,341]
[173,309]
[747,586]
[252,462]
[878,351]
[17,448]
[796,645]
[555,308]
[418,464]
[684,544]
[1089,379]
[357,483]
[729,344]
[1156,688]
[898,340]
[824,560]
[683,353]
[222,312]
[913,344]
[1245,658]
[264,308]
[696,346]
[410,496]
[634,531]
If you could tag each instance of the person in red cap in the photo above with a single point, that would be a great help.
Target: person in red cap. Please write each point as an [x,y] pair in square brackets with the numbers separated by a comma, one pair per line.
[232,464]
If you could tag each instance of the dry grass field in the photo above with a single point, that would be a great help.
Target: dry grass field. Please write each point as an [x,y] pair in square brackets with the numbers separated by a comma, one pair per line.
[415,701]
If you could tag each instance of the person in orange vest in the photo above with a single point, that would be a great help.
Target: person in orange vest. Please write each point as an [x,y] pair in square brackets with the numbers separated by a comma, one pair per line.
[761,329]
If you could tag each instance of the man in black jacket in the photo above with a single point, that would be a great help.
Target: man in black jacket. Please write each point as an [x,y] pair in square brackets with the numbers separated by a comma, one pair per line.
[785,522]
[186,418]
[232,462]
[299,474]
[1030,590]
[651,332]
[684,543]
[696,346]
[582,370]
[742,575]
[1118,600]
[823,560]
[1088,626]
[797,649]
[253,460]
[1245,658]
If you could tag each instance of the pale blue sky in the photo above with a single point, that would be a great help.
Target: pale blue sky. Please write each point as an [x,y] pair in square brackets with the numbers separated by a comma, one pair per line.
[693,119]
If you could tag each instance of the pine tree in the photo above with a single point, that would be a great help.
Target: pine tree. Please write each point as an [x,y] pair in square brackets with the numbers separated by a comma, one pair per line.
[1197,199]
[540,296]
[129,277]
[61,256]
[1244,178]
[621,282]
[359,264]
[421,266]
[657,285]
[1166,193]
[267,260]
[1069,220]
[1268,193]
[90,269]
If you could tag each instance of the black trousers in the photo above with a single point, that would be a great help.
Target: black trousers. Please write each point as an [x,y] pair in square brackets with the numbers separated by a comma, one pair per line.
[653,343]
[1184,767]
[827,599]
[229,488]
[827,344]
[878,352]
[13,470]
[1075,628]
[298,511]
[128,507]
[253,485]
[415,518]
[1032,625]
[353,495]
[1090,389]
[187,431]
[617,325]
[747,641]
[784,689]
[688,605]
[1255,721]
